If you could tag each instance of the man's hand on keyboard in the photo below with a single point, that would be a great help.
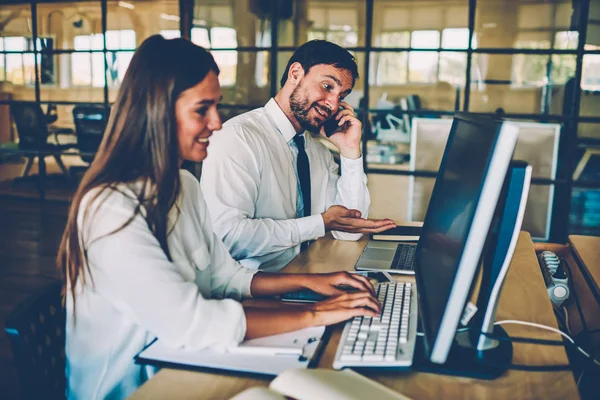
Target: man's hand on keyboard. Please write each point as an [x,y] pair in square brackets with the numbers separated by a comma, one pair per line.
[343,307]
[337,283]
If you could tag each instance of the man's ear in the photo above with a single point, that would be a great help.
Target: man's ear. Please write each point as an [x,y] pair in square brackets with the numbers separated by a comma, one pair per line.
[296,73]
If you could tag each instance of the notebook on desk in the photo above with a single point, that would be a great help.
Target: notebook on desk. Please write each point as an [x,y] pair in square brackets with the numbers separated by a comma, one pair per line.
[270,355]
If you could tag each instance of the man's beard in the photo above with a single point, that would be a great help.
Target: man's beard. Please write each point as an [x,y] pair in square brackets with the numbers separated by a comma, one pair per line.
[300,106]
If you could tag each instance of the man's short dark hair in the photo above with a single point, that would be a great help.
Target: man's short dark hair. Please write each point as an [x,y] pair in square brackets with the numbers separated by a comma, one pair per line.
[322,52]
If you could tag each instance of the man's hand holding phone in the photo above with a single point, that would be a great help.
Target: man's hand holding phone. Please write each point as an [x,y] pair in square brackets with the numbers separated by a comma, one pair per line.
[347,136]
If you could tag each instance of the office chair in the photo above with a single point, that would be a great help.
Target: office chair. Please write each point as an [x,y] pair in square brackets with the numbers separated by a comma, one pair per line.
[36,329]
[410,103]
[51,114]
[90,123]
[33,135]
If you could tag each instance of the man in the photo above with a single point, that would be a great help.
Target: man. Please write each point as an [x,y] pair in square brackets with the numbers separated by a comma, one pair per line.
[271,187]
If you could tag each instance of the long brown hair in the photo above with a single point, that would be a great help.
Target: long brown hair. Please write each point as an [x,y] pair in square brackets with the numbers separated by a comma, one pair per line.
[139,143]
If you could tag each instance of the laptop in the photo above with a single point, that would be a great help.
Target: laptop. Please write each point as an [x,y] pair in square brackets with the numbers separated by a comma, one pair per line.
[392,257]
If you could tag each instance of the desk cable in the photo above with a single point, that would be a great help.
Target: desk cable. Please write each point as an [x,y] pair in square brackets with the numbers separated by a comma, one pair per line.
[522,367]
[585,331]
[548,328]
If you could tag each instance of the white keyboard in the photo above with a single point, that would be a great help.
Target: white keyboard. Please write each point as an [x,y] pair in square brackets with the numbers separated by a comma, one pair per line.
[384,341]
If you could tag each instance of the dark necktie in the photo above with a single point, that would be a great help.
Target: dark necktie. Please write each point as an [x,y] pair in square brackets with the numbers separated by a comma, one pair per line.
[303,168]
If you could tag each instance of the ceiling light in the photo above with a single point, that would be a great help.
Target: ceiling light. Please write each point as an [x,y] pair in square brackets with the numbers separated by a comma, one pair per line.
[125,4]
[169,17]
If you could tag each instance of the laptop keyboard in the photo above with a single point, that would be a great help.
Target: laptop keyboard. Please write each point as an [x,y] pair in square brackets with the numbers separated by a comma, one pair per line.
[404,257]
[386,340]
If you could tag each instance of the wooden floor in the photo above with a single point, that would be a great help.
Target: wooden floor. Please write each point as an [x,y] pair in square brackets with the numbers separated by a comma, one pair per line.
[29,237]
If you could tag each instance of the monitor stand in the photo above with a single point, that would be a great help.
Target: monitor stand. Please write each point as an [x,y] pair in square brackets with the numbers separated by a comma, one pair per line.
[465,360]
[488,355]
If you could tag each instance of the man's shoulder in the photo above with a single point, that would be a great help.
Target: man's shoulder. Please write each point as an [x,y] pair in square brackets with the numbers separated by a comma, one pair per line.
[250,131]
[253,121]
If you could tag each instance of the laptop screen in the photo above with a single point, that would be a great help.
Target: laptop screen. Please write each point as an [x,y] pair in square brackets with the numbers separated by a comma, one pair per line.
[450,215]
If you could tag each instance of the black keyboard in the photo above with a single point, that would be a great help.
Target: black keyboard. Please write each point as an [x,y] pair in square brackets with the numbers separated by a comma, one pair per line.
[404,257]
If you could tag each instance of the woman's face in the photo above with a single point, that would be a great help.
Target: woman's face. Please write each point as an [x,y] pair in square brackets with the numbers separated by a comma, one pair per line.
[197,118]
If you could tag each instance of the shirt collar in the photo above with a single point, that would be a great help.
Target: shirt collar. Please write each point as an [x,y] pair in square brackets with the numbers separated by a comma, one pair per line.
[283,124]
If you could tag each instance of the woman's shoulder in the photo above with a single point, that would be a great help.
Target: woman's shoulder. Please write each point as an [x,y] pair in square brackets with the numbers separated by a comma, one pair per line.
[187,178]
[110,194]
[107,201]
[191,191]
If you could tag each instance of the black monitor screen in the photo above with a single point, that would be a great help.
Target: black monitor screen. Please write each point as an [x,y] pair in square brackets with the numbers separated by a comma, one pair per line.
[450,215]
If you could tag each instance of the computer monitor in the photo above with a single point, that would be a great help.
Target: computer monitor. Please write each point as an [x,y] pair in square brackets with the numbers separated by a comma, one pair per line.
[502,241]
[461,210]
[537,144]
[482,349]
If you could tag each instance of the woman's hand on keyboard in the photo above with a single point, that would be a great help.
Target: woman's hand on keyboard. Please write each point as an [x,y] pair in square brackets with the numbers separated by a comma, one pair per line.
[337,283]
[343,307]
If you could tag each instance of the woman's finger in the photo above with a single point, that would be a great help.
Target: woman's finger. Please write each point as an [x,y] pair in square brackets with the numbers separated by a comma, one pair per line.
[362,302]
[361,311]
[365,282]
[358,282]
[370,302]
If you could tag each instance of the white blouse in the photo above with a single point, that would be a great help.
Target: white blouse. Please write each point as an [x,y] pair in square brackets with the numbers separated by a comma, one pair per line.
[136,294]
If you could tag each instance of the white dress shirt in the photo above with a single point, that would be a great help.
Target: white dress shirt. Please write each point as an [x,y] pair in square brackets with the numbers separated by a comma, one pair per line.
[136,294]
[250,183]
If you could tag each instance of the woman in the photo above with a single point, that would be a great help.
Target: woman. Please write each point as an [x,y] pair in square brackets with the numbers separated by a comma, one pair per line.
[139,257]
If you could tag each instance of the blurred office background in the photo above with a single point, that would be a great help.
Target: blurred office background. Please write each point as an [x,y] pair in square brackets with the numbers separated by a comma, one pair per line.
[536,62]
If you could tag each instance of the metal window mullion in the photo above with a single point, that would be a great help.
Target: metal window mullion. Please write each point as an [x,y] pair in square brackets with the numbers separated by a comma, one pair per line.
[36,67]
[104,11]
[274,49]
[186,19]
[367,71]
[562,201]
[467,89]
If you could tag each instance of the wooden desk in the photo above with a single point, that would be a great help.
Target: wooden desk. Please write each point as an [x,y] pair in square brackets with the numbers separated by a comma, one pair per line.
[524,298]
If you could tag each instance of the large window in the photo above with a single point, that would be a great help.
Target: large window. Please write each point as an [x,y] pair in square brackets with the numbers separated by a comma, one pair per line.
[87,69]
[538,70]
[338,25]
[218,37]
[522,58]
[398,68]
[18,66]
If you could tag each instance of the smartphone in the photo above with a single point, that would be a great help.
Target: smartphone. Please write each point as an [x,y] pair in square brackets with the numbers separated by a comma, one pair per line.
[302,296]
[331,125]
[377,276]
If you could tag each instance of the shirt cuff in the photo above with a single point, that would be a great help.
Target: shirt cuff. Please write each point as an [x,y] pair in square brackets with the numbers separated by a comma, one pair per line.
[350,166]
[247,282]
[310,228]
